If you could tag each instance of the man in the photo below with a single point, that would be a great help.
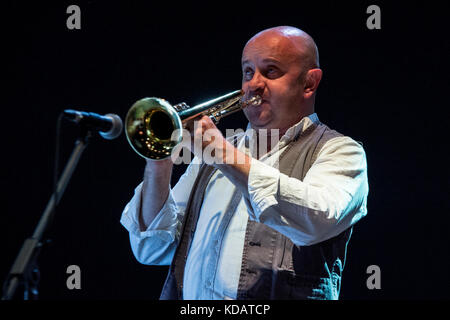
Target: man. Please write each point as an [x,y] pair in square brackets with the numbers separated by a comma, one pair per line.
[274,226]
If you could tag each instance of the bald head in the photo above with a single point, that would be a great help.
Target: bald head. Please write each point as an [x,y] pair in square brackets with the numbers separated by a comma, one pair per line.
[301,44]
[281,65]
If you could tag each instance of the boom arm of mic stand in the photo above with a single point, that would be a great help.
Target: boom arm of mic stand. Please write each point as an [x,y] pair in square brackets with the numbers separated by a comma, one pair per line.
[25,261]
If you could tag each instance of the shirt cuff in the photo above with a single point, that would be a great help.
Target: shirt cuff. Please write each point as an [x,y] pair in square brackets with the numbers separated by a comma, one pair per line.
[164,225]
[263,181]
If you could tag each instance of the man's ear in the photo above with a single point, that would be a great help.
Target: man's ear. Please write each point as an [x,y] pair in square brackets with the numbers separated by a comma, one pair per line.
[312,81]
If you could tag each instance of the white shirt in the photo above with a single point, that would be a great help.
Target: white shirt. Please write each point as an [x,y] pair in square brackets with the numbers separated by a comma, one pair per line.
[331,198]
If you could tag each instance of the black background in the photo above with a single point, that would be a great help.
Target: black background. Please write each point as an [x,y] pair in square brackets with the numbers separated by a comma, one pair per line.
[386,88]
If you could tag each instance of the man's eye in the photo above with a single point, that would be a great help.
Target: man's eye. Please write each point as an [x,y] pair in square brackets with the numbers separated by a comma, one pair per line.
[248,74]
[272,72]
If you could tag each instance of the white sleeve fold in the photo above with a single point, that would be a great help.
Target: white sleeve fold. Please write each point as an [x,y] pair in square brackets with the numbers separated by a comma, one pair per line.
[157,243]
[331,198]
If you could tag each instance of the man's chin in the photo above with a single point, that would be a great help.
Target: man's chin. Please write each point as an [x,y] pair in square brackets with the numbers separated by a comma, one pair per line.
[258,120]
[260,124]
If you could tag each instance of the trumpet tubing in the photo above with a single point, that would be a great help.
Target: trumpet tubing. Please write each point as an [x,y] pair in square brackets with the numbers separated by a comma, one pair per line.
[151,122]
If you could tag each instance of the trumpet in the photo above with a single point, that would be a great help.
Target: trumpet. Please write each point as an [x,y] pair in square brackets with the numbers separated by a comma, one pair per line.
[153,126]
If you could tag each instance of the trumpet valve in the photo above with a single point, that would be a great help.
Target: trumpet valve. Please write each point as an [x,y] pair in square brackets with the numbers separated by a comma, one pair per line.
[181,106]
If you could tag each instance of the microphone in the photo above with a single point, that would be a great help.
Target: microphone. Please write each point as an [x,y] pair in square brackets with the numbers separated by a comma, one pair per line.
[109,126]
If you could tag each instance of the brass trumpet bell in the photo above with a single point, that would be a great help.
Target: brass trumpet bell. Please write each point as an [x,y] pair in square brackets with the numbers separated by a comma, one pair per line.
[150,124]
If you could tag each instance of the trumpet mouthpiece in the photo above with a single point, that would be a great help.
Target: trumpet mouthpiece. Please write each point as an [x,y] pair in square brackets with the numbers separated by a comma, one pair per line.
[253,101]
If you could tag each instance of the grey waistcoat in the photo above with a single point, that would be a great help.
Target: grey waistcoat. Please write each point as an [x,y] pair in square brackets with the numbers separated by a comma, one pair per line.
[272,266]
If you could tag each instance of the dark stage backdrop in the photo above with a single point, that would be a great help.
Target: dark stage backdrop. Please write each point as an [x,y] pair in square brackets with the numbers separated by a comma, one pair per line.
[386,88]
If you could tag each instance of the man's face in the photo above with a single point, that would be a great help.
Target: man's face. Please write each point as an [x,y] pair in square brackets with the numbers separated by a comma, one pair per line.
[271,67]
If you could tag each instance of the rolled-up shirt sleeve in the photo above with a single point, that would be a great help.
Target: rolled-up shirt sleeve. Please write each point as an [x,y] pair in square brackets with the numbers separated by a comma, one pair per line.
[157,243]
[331,197]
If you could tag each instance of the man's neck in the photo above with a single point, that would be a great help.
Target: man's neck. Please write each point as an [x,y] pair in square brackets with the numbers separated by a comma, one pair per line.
[267,138]
[272,137]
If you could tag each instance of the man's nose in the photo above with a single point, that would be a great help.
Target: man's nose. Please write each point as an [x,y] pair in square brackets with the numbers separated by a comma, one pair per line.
[256,84]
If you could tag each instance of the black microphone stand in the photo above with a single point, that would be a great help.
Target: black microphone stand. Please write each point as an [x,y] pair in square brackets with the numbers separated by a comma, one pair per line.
[25,270]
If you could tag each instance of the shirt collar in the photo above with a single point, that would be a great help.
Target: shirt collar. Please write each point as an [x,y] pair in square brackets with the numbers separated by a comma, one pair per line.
[249,141]
[295,130]
[300,127]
